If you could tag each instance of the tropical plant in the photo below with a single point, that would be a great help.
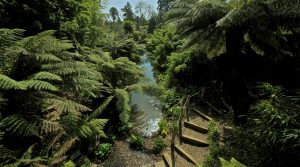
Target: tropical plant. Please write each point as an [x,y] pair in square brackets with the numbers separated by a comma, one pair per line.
[234,29]
[161,44]
[214,145]
[137,142]
[232,163]
[159,145]
[103,151]
[58,82]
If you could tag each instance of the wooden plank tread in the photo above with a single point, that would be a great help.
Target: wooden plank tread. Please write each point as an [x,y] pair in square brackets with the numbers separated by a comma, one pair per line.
[202,115]
[185,155]
[194,140]
[167,159]
[195,127]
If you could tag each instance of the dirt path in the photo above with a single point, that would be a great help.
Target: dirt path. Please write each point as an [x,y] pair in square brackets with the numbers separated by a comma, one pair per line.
[123,156]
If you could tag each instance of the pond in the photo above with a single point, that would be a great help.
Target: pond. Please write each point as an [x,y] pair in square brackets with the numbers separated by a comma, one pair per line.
[148,105]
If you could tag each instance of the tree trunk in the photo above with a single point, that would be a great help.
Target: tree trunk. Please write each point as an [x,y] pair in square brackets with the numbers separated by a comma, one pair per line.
[236,81]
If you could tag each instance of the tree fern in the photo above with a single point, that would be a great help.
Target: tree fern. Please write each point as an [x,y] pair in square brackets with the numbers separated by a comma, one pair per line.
[97,126]
[62,105]
[45,42]
[70,55]
[8,83]
[101,108]
[49,126]
[16,124]
[38,85]
[46,57]
[6,153]
[93,129]
[123,106]
[66,146]
[8,38]
[46,76]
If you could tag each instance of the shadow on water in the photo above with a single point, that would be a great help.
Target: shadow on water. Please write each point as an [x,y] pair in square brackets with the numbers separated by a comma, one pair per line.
[146,107]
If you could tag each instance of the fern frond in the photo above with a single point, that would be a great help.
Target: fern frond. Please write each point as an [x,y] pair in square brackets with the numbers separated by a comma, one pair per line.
[93,129]
[65,71]
[16,124]
[46,57]
[6,153]
[97,125]
[7,83]
[146,88]
[85,82]
[123,105]
[64,64]
[8,37]
[49,126]
[46,76]
[38,85]
[65,147]
[101,108]
[66,106]
[85,131]
[95,59]
[45,42]
[70,55]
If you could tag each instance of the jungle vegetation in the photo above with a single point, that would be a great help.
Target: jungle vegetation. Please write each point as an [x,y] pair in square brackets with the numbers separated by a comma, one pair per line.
[67,69]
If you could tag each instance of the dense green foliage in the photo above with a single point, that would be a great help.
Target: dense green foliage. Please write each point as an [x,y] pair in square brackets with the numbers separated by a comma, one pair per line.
[214,145]
[64,90]
[160,145]
[137,142]
[221,51]
[103,151]
[67,70]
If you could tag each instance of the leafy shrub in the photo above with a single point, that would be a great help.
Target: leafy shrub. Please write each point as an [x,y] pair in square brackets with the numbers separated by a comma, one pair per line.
[163,126]
[70,163]
[137,142]
[160,145]
[232,163]
[214,145]
[103,151]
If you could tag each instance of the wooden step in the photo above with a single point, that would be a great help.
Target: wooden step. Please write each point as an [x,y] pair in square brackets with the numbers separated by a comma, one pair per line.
[160,164]
[167,159]
[215,109]
[195,127]
[185,155]
[194,141]
[204,116]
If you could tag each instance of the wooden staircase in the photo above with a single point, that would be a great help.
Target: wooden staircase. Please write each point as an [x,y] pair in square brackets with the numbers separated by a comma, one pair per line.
[191,147]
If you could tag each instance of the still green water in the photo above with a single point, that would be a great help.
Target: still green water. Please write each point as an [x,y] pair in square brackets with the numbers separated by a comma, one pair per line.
[149,105]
